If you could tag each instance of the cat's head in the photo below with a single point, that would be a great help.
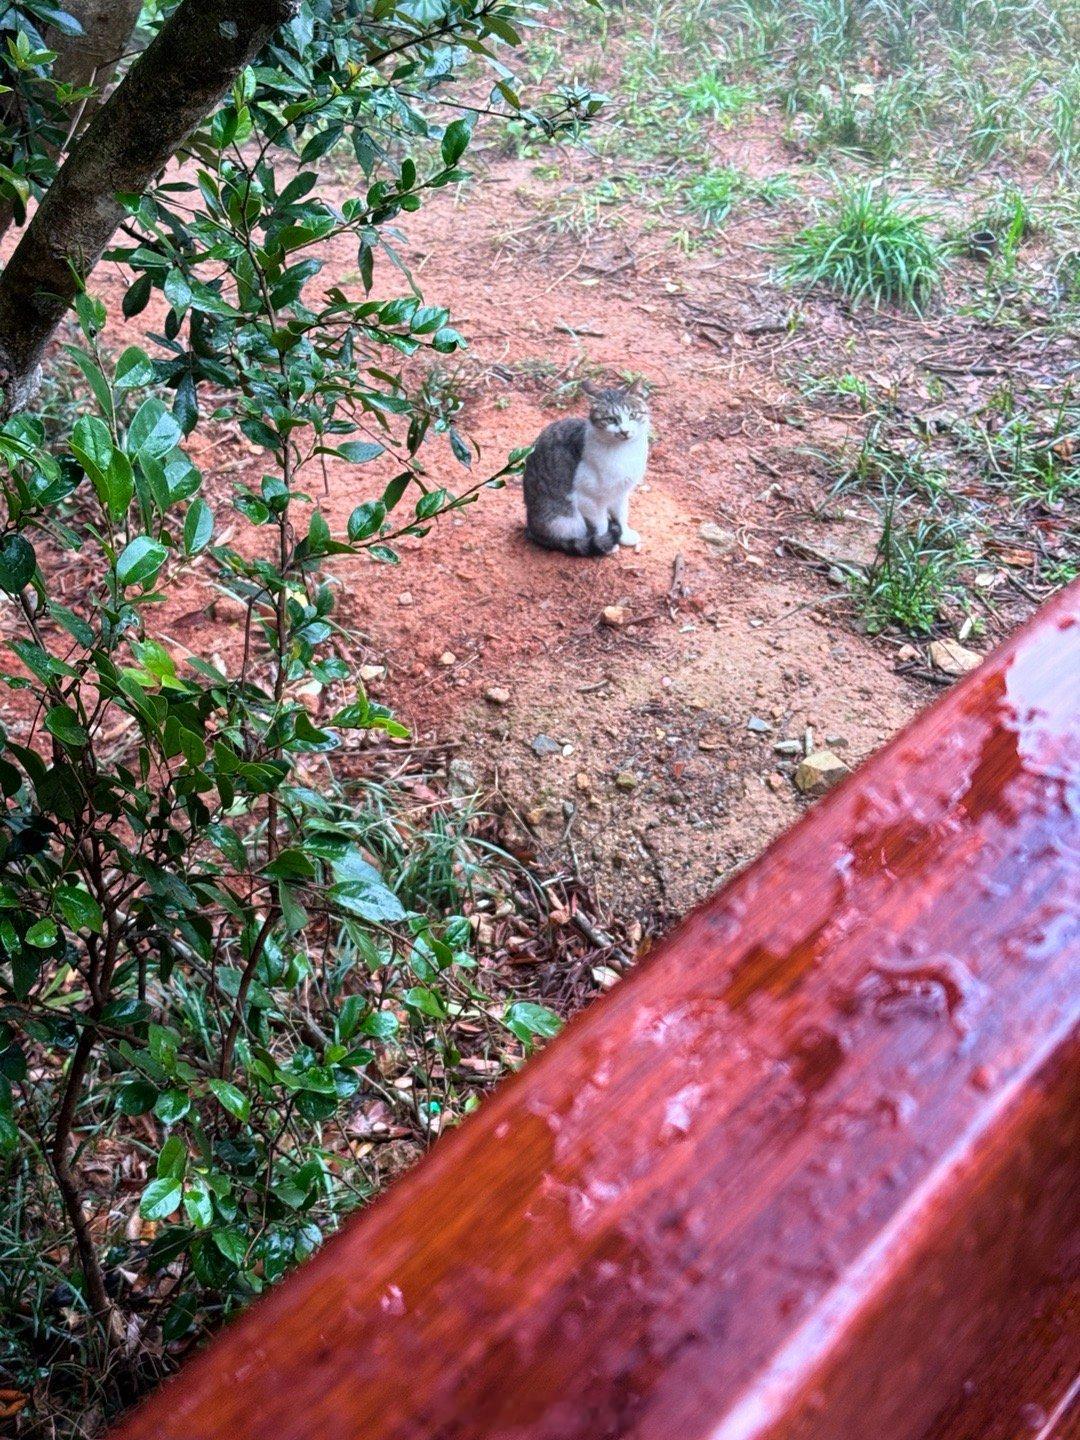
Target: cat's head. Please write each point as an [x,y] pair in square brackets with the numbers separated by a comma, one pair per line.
[619,413]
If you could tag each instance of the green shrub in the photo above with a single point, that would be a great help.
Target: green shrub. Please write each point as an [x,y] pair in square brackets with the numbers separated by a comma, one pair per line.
[212,944]
[868,247]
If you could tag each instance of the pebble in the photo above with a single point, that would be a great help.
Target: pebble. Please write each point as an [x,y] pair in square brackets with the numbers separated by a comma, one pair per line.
[952,658]
[461,778]
[819,772]
[405,598]
[626,780]
[724,540]
[757,726]
[497,695]
[613,616]
[776,781]
[447,658]
[788,747]
[545,745]
[372,672]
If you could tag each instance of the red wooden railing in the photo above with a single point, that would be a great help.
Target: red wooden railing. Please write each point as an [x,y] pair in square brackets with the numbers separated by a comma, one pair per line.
[810,1170]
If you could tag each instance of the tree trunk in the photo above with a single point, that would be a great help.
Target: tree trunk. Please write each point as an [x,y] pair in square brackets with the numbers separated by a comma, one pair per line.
[174,84]
[92,57]
[87,59]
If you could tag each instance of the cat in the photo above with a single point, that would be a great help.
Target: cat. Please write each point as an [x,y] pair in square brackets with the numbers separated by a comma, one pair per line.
[581,472]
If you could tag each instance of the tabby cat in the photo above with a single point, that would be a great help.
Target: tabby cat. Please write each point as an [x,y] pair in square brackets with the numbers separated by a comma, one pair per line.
[580,474]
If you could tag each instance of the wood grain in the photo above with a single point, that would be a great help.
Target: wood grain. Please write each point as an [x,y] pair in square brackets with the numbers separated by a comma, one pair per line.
[811,1170]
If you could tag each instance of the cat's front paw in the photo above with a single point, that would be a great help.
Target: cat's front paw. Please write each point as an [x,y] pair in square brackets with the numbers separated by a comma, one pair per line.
[629,537]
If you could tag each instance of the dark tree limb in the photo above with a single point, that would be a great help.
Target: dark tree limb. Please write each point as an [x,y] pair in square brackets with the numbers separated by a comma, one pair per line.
[92,57]
[174,84]
[88,59]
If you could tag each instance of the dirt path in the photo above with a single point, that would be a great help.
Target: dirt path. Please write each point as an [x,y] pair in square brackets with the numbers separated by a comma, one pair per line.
[643,756]
[649,778]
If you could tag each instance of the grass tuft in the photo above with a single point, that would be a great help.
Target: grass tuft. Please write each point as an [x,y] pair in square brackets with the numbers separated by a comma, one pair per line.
[714,98]
[713,194]
[913,575]
[869,247]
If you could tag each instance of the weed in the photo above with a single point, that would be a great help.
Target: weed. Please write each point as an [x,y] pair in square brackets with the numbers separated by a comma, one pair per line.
[1034,468]
[994,109]
[878,466]
[868,247]
[839,387]
[710,96]
[1065,121]
[713,194]
[1060,573]
[913,574]
[581,208]
[870,119]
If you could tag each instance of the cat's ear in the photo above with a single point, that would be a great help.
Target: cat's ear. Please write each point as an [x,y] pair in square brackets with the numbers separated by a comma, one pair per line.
[593,391]
[636,388]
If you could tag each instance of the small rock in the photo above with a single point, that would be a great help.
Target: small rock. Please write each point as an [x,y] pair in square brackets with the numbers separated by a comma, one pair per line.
[447,658]
[583,782]
[605,976]
[626,780]
[545,745]
[485,932]
[372,672]
[710,741]
[757,726]
[497,695]
[724,540]
[819,772]
[227,607]
[461,778]
[788,747]
[952,658]
[613,616]
[405,598]
[776,781]
[906,654]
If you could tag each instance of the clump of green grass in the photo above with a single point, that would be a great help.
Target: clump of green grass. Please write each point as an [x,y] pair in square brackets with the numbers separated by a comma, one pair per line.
[839,387]
[994,112]
[868,247]
[713,194]
[715,98]
[1033,467]
[913,575]
[880,465]
[1065,121]
[869,119]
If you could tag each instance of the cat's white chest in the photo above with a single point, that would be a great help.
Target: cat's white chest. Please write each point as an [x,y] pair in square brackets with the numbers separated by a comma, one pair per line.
[608,469]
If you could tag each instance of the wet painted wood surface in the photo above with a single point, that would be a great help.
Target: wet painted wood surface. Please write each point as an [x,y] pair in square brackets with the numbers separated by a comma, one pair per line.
[811,1170]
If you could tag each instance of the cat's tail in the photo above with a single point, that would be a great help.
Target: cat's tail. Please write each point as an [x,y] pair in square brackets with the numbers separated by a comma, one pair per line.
[593,542]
